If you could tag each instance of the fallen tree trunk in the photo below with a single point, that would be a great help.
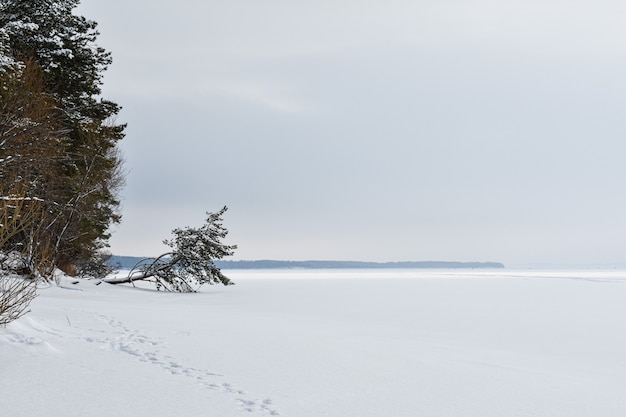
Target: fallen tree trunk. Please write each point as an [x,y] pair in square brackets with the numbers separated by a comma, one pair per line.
[127,280]
[170,274]
[161,271]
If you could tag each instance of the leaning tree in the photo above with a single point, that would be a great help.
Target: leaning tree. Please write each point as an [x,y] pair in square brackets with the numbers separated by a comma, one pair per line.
[190,263]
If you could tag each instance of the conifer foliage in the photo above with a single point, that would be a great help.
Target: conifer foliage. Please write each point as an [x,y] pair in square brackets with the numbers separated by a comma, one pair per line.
[58,139]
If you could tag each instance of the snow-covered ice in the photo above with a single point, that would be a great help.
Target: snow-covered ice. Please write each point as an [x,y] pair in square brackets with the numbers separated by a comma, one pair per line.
[325,343]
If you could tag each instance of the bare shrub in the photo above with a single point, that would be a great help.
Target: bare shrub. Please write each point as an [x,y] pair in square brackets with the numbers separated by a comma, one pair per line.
[16,293]
[21,220]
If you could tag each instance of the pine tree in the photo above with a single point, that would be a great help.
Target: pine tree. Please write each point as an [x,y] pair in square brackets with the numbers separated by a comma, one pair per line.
[191,262]
[63,44]
[81,197]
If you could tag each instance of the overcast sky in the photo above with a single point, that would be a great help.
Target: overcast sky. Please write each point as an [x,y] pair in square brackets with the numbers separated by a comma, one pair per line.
[468,130]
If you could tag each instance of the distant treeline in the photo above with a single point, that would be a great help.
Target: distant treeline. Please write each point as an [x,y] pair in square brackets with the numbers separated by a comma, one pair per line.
[127,262]
[269,264]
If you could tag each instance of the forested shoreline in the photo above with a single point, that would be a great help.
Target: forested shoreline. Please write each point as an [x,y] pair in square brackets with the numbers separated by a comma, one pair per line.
[60,164]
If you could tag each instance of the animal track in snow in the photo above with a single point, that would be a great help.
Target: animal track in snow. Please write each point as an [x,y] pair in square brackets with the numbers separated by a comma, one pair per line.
[263,406]
[148,350]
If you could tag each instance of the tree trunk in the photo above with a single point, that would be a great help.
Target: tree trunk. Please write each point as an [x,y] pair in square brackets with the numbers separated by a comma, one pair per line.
[127,280]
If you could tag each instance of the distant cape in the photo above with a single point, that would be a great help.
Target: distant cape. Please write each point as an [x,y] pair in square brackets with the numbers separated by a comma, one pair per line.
[127,262]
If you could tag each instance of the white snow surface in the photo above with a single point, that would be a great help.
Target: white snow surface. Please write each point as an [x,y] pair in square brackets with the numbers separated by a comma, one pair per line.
[302,343]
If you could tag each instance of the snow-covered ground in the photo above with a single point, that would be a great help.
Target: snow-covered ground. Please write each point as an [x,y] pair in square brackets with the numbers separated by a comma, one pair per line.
[325,343]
